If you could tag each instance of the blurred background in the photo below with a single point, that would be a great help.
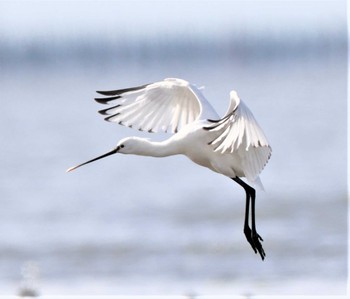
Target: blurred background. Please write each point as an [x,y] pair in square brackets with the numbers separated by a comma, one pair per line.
[135,225]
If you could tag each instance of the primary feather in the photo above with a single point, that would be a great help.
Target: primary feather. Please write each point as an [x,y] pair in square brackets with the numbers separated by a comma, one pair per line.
[238,131]
[165,106]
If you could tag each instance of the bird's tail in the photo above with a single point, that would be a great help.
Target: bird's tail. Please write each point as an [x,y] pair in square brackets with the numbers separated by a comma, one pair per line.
[259,184]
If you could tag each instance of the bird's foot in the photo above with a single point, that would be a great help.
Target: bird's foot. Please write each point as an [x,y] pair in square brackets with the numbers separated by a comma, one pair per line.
[254,239]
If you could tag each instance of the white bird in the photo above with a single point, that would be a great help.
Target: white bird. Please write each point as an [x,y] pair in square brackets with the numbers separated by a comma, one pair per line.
[233,145]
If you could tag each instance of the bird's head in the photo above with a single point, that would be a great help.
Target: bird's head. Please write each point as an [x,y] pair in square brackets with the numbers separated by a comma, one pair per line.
[131,145]
[127,145]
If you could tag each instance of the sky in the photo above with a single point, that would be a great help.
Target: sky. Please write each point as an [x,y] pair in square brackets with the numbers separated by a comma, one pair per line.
[21,20]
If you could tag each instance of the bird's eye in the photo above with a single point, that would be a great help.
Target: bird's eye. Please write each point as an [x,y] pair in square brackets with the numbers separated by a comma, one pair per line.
[122,145]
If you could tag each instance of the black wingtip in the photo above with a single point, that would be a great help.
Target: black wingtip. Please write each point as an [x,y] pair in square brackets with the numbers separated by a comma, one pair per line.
[109,118]
[106,100]
[118,92]
[107,93]
[105,111]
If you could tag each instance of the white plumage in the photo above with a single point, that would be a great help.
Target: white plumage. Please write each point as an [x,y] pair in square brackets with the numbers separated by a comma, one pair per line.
[172,104]
[233,145]
[164,106]
[238,132]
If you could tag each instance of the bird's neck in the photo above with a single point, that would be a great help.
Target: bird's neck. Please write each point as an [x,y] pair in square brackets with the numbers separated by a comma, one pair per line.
[156,149]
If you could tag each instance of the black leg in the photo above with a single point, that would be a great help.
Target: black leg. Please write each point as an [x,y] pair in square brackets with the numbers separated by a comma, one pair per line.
[252,236]
[256,237]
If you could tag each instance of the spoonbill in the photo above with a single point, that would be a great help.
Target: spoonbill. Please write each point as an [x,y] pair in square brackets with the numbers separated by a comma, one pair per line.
[233,145]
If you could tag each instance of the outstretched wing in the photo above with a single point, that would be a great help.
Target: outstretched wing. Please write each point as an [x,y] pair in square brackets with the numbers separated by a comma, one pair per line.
[166,105]
[238,131]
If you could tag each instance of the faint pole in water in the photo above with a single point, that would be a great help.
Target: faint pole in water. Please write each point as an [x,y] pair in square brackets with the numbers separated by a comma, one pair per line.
[30,277]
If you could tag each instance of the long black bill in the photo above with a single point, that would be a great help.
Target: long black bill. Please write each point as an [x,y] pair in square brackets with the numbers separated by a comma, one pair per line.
[92,160]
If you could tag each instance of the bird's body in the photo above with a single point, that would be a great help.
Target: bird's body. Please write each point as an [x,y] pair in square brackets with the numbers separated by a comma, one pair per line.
[233,145]
[191,141]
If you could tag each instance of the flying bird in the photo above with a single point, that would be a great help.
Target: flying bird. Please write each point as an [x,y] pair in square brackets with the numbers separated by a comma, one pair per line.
[233,145]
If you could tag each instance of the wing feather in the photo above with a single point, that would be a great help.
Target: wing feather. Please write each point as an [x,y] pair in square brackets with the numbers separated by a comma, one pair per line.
[166,105]
[238,131]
